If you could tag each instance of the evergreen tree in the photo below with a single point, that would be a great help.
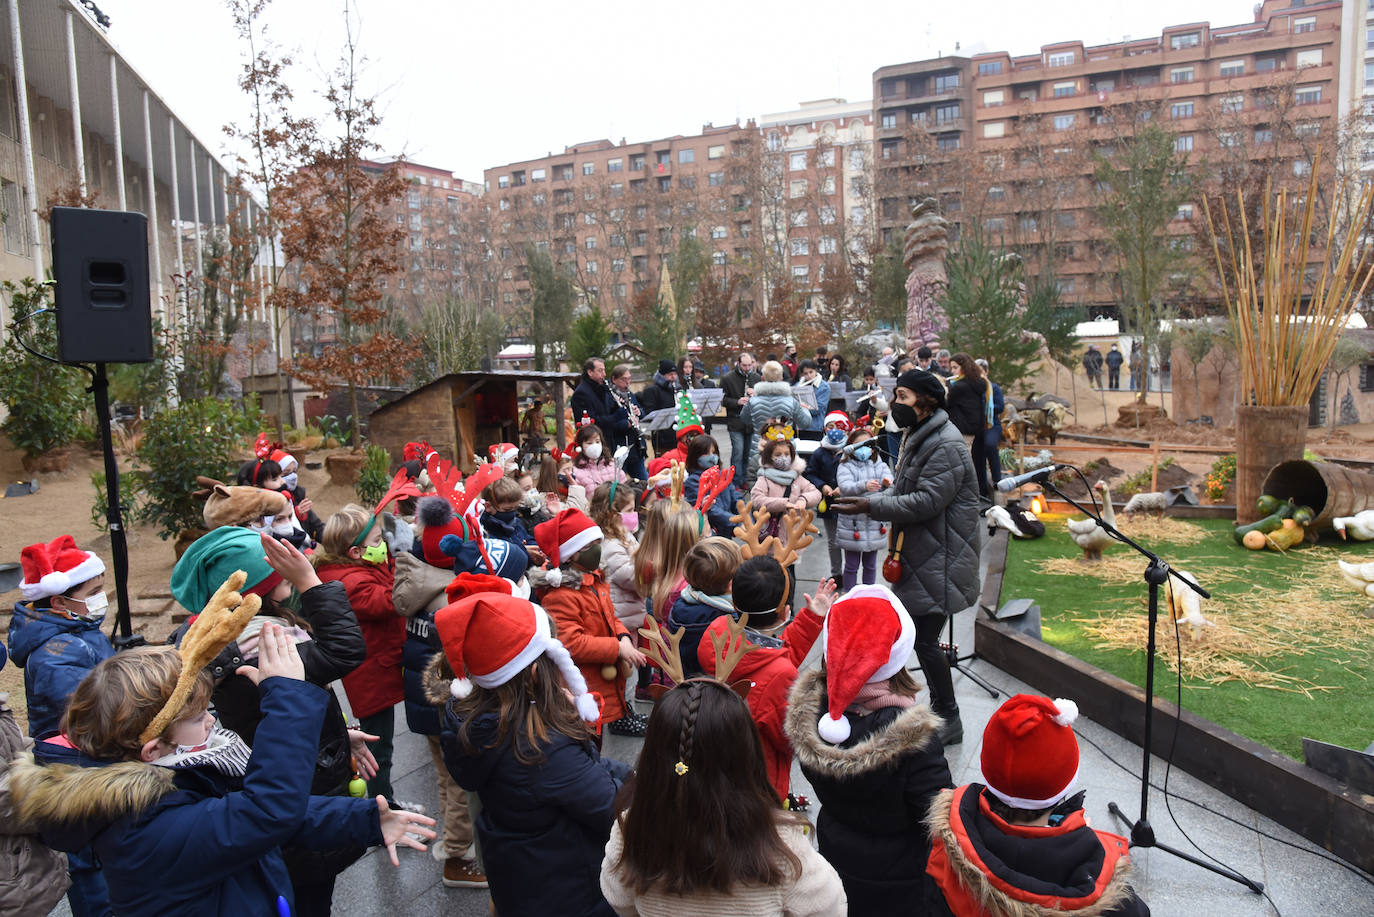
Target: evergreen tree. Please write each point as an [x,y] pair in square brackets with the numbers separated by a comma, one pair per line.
[982,303]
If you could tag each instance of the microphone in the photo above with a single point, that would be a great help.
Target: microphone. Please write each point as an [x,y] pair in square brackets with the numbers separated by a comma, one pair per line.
[1007,485]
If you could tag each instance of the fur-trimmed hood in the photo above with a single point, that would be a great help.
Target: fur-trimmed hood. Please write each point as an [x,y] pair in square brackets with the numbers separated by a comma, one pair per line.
[436,680]
[70,804]
[914,728]
[966,866]
[772,388]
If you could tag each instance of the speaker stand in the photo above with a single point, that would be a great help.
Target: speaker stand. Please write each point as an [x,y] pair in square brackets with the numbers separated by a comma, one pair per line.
[122,635]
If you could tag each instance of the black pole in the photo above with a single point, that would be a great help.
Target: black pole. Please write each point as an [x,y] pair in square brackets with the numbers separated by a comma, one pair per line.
[1157,573]
[123,636]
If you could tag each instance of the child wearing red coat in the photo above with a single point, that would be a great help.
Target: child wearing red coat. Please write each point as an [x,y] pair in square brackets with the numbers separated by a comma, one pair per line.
[580,603]
[758,589]
[354,553]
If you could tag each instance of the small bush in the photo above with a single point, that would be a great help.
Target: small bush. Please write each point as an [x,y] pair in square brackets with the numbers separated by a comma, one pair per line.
[374,477]
[1220,477]
[44,400]
[1141,479]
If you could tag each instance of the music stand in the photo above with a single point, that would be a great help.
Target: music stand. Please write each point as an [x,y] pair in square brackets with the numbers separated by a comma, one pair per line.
[806,395]
[707,401]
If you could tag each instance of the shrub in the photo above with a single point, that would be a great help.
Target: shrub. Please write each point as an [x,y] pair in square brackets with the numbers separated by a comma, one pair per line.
[44,400]
[374,477]
[196,437]
[1220,477]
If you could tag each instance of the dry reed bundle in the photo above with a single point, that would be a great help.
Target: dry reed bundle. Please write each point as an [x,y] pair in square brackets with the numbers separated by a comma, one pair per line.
[1284,348]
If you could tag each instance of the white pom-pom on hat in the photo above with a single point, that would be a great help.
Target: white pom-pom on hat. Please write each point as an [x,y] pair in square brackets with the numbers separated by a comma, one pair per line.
[460,688]
[554,577]
[833,730]
[1068,712]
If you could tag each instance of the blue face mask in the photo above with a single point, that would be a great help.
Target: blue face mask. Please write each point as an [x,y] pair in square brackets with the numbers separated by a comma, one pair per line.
[835,437]
[863,453]
[708,461]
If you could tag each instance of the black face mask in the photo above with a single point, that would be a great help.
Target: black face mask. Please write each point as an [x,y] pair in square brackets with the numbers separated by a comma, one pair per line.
[904,416]
[506,516]
[589,558]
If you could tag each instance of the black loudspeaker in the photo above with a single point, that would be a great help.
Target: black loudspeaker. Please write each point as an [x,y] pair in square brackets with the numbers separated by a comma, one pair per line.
[100,263]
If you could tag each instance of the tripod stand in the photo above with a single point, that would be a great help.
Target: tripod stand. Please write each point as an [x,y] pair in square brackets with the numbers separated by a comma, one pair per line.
[1157,573]
[951,651]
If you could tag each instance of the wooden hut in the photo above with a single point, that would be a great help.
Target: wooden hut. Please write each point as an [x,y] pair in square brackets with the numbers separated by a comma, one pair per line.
[460,414]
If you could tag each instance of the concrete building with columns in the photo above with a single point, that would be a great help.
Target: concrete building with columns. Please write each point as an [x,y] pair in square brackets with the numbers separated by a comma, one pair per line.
[88,124]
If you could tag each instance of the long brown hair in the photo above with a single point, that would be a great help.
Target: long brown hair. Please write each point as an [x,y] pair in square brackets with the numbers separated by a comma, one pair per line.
[699,814]
[661,557]
[970,370]
[529,707]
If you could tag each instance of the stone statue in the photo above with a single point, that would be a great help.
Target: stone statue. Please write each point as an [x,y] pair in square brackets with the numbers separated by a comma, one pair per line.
[923,255]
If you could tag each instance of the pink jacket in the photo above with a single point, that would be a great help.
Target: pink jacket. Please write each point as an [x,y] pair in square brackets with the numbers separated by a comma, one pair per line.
[770,496]
[594,474]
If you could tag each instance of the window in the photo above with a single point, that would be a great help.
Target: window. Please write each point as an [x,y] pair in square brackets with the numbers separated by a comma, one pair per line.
[1181,75]
[997,193]
[618,290]
[12,204]
[858,214]
[745,229]
[1061,59]
[1065,89]
[947,143]
[994,97]
[1266,64]
[641,238]
[718,258]
[825,159]
[537,175]
[1181,110]
[801,246]
[639,185]
[639,263]
[1184,212]
[588,168]
[1183,143]
[826,215]
[1029,224]
[617,265]
[685,156]
[1308,95]
[994,129]
[796,162]
[801,271]
[1228,139]
[1065,220]
[503,181]
[828,185]
[1264,135]
[1369,70]
[1305,24]
[591,242]
[1312,57]
[1063,122]
[1301,167]
[1307,129]
[798,219]
[588,194]
[774,141]
[1103,85]
[946,113]
[665,184]
[589,219]
[503,204]
[665,236]
[614,165]
[591,267]
[617,240]
[889,121]
[715,179]
[988,68]
[994,224]
[718,232]
[1230,104]
[563,173]
[637,163]
[1185,40]
[919,117]
[890,149]
[1065,284]
[716,152]
[1229,68]
[946,83]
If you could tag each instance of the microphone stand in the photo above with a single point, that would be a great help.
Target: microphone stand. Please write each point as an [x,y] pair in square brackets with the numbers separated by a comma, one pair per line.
[1157,573]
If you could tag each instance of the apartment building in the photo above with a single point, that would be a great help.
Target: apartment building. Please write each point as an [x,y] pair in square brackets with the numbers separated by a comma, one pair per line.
[1022,161]
[816,206]
[611,213]
[1356,80]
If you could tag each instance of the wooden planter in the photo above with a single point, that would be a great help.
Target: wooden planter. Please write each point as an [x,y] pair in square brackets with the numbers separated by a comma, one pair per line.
[344,468]
[1265,436]
[50,462]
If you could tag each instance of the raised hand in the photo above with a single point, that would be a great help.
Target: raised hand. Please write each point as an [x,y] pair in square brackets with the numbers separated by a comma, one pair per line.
[399,826]
[293,566]
[277,657]
[825,597]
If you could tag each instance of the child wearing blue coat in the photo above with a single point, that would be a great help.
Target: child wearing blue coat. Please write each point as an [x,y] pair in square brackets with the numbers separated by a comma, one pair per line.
[184,818]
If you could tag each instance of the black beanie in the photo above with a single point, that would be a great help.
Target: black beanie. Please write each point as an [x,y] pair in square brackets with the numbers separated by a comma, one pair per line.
[665,367]
[923,383]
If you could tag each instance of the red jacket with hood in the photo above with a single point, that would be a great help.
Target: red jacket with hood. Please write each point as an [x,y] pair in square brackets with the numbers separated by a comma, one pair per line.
[376,684]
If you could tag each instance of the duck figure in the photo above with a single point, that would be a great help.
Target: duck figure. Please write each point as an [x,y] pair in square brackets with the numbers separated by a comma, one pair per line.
[1090,536]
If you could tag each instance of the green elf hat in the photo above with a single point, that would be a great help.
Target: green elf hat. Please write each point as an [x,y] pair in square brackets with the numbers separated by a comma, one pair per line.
[688,420]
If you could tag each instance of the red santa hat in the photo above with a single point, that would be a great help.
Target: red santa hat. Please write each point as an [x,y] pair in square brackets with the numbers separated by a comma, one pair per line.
[839,419]
[503,452]
[53,568]
[493,638]
[417,452]
[465,585]
[1030,754]
[870,640]
[562,537]
[437,519]
[285,459]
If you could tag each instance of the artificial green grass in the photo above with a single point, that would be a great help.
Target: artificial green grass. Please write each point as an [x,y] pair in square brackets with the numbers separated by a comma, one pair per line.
[1278,719]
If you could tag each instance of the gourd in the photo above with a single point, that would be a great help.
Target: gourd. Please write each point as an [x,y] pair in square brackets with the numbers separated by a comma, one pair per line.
[1255,541]
[1267,503]
[1304,515]
[1266,525]
[1288,535]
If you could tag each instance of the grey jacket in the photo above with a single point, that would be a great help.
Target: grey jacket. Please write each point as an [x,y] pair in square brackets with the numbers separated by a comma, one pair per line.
[774,400]
[861,533]
[934,501]
[32,877]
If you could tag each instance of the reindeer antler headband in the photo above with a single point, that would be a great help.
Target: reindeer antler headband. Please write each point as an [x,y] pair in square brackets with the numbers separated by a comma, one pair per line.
[800,526]
[401,486]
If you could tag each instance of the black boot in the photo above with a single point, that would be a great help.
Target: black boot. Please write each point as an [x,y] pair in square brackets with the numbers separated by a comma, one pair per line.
[935,665]
[952,732]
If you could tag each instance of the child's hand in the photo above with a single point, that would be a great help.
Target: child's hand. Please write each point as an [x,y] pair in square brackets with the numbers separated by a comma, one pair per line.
[277,657]
[873,487]
[887,482]
[293,566]
[362,755]
[536,556]
[303,509]
[630,654]
[820,603]
[397,828]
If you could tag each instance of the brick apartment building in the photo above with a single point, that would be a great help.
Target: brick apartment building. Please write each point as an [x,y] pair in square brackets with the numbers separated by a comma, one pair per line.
[610,213]
[1016,134]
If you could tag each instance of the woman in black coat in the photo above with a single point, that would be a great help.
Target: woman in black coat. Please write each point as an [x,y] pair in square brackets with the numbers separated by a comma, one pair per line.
[837,374]
[933,507]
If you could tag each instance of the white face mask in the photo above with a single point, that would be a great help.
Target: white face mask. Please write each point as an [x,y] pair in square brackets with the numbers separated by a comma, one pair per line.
[290,480]
[283,528]
[592,451]
[95,606]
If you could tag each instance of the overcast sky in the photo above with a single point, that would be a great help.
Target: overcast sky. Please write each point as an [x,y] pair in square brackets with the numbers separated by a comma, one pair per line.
[470,86]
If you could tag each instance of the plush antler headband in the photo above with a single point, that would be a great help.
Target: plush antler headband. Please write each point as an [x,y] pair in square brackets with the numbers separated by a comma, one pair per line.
[218,624]
[800,526]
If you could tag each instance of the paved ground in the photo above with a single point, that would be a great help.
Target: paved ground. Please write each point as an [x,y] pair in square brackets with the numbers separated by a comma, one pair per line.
[1300,883]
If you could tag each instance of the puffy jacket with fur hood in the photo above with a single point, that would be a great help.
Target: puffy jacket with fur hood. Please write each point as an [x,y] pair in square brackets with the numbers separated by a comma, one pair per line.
[55,652]
[618,566]
[181,841]
[875,789]
[419,593]
[775,401]
[375,685]
[33,878]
